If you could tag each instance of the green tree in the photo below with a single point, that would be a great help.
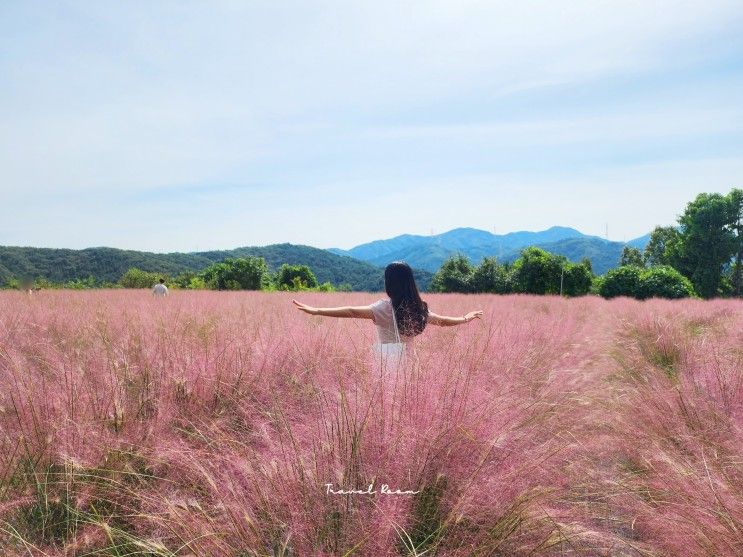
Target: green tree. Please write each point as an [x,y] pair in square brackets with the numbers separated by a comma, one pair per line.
[663,281]
[82,284]
[197,283]
[490,276]
[12,283]
[596,285]
[735,199]
[708,242]
[137,278]
[44,283]
[184,279]
[453,276]
[537,272]
[295,277]
[664,246]
[587,264]
[631,256]
[249,273]
[621,281]
[577,279]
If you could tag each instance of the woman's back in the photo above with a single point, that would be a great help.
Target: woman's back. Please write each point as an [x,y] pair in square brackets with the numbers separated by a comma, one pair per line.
[388,322]
[384,319]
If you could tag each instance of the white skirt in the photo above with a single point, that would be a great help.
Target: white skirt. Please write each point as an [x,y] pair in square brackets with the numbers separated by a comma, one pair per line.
[389,355]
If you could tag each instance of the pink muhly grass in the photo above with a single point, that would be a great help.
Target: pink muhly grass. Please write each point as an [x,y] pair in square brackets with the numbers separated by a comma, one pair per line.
[209,423]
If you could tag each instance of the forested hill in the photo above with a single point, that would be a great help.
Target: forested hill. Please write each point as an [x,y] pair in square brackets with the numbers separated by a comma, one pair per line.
[105,264]
[108,264]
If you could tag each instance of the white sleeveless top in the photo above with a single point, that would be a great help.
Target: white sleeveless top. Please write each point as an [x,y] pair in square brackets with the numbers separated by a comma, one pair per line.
[391,347]
[384,319]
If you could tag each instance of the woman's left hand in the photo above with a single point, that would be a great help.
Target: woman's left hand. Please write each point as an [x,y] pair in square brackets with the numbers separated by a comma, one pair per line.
[473,315]
[305,308]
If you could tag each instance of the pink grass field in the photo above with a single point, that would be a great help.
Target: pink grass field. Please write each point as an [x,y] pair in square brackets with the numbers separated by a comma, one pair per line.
[209,423]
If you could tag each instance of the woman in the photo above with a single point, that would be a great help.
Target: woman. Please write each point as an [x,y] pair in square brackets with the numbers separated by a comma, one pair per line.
[400,318]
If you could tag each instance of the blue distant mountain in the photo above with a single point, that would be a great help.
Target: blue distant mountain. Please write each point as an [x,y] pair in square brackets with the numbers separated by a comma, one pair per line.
[429,252]
[640,242]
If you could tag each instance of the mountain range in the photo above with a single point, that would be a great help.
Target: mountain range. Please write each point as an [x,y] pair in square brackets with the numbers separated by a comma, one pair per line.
[429,252]
[361,267]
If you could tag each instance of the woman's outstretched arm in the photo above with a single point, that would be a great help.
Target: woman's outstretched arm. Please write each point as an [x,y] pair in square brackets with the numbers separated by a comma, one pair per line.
[446,321]
[360,312]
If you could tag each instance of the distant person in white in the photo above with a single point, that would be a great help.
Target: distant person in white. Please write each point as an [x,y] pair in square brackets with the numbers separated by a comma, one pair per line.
[160,289]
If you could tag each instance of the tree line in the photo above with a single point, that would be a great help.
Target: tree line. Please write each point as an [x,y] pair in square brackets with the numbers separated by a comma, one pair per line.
[239,273]
[702,256]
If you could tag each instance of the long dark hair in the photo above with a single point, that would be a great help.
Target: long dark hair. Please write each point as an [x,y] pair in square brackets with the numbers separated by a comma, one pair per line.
[411,312]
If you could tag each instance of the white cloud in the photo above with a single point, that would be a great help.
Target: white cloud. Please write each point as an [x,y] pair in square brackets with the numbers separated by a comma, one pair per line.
[627,126]
[98,99]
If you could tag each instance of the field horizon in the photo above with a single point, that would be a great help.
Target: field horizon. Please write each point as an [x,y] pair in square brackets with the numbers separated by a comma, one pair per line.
[225,424]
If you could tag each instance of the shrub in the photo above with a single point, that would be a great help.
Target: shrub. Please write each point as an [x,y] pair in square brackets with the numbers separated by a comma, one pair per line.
[184,279]
[197,283]
[295,277]
[664,282]
[79,284]
[621,281]
[12,283]
[250,273]
[137,278]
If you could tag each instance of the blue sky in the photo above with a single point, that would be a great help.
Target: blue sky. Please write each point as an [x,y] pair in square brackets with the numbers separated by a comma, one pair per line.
[182,126]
